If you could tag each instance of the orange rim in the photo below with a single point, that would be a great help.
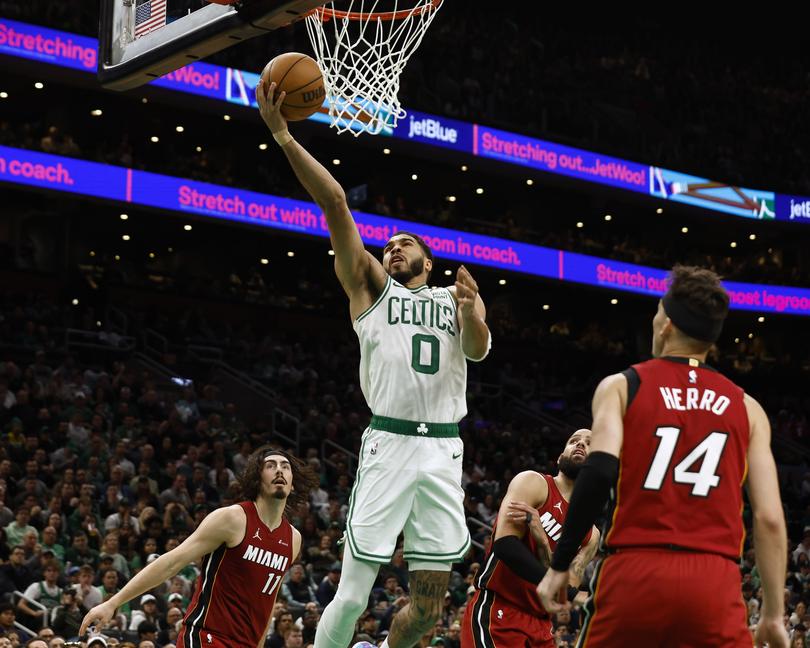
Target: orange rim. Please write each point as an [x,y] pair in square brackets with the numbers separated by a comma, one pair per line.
[328,14]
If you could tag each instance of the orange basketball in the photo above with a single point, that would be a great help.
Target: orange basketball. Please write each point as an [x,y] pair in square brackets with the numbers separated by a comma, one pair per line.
[299,76]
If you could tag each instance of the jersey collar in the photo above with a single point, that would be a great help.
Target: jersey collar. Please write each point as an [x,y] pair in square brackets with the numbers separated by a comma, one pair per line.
[692,362]
[413,290]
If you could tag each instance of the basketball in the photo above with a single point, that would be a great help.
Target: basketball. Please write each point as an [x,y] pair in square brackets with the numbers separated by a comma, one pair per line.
[299,76]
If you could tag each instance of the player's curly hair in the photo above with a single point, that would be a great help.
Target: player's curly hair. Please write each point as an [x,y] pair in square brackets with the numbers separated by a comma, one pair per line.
[250,480]
[700,289]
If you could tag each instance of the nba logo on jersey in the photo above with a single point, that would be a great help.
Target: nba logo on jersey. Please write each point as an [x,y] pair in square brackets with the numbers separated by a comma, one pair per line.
[210,638]
[692,376]
[374,448]
[500,614]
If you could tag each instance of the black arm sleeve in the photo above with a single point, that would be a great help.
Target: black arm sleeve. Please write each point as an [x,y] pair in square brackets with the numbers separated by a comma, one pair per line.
[591,491]
[514,554]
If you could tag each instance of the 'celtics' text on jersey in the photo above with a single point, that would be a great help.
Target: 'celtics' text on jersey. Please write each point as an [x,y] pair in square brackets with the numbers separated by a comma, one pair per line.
[412,366]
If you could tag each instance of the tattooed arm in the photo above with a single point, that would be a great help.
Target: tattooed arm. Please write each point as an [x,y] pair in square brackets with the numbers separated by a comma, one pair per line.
[582,559]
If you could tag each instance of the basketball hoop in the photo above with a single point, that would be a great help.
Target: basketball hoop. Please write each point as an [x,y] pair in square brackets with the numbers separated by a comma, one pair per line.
[362,56]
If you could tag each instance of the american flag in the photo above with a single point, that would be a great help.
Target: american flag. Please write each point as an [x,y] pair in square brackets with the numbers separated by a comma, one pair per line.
[149,15]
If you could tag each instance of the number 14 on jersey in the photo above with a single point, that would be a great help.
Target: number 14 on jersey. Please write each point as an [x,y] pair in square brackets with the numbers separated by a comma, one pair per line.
[702,480]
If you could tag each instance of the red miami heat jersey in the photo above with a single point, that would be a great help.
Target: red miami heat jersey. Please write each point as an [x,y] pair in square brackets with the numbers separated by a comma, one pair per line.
[511,588]
[236,590]
[683,460]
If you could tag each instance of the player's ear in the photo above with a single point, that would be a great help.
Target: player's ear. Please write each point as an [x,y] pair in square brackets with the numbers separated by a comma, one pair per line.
[428,265]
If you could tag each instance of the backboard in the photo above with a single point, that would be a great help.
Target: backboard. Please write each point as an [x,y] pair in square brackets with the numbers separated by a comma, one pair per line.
[141,40]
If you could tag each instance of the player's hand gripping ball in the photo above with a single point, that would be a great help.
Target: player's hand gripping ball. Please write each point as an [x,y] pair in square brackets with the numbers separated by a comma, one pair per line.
[299,78]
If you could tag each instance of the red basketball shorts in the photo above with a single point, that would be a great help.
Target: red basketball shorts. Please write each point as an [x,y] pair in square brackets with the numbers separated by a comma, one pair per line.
[667,599]
[488,623]
[205,639]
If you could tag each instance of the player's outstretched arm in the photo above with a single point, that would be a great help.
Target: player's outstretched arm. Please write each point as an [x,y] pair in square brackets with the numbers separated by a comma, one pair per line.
[770,535]
[220,526]
[475,336]
[355,267]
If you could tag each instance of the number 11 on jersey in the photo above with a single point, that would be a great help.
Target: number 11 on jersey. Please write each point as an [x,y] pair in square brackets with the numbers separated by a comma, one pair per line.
[272,583]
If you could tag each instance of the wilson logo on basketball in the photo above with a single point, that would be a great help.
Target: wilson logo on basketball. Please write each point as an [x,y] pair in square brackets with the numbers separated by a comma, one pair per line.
[312,95]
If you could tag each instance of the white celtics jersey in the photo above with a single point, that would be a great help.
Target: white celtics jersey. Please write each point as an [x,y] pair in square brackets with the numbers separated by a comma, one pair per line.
[411,363]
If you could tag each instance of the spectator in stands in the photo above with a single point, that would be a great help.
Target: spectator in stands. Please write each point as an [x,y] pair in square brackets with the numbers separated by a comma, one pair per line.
[45,592]
[148,612]
[144,547]
[399,567]
[173,618]
[240,458]
[390,591]
[110,547]
[15,574]
[803,547]
[147,632]
[119,479]
[15,532]
[30,547]
[109,586]
[50,543]
[120,459]
[309,623]
[298,590]
[123,517]
[8,616]
[30,489]
[6,514]
[88,595]
[80,553]
[368,624]
[294,638]
[453,637]
[321,557]
[328,587]
[36,643]
[47,634]
[176,519]
[67,616]
[199,482]
[7,398]
[177,600]
[177,493]
[180,585]
[282,625]
[319,499]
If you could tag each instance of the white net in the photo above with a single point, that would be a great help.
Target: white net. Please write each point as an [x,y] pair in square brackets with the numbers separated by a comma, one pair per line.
[362,56]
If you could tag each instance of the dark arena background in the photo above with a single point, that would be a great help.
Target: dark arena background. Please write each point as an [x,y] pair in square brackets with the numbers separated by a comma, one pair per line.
[169,300]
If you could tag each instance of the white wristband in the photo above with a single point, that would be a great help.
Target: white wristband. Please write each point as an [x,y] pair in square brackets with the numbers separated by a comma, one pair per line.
[283,137]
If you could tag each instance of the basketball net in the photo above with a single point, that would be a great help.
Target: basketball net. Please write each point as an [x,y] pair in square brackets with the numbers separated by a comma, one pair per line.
[362,54]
